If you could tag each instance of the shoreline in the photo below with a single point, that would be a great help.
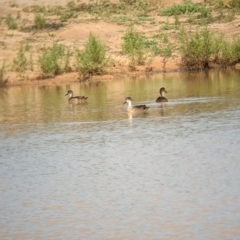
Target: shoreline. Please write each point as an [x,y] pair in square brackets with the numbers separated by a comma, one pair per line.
[112,73]
[74,33]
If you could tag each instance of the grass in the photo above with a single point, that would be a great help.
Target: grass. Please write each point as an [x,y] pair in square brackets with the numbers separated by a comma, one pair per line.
[11,23]
[40,21]
[185,7]
[225,15]
[230,52]
[165,48]
[120,19]
[20,61]
[133,46]
[54,60]
[41,12]
[200,49]
[14,5]
[65,16]
[3,80]
[203,49]
[92,60]
[100,8]
[139,48]
[225,4]
[167,26]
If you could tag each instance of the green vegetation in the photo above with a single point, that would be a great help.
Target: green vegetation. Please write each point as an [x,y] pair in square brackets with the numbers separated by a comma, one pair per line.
[3,80]
[199,47]
[121,19]
[41,12]
[11,22]
[54,60]
[20,61]
[230,52]
[186,7]
[202,49]
[225,3]
[133,46]
[137,10]
[167,26]
[101,8]
[40,21]
[138,48]
[92,59]
[14,5]
[165,49]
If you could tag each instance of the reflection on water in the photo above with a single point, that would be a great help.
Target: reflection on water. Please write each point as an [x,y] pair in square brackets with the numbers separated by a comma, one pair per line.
[93,171]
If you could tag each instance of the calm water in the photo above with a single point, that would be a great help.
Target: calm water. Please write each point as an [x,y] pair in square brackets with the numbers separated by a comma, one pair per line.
[94,172]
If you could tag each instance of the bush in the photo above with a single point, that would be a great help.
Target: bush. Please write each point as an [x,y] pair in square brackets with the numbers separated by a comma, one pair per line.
[11,22]
[54,60]
[230,52]
[203,48]
[20,62]
[133,45]
[92,59]
[186,7]
[226,4]
[40,21]
[3,81]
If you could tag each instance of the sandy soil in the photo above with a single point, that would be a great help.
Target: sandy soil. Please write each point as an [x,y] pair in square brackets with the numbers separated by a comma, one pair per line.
[75,32]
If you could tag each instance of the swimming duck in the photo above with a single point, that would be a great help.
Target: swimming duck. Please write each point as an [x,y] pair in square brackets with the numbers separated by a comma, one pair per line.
[136,108]
[162,98]
[76,99]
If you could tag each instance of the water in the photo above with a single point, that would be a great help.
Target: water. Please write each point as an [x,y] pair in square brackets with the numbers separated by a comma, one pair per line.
[94,172]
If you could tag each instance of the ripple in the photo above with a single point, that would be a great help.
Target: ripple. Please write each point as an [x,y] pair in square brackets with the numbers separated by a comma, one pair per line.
[94,171]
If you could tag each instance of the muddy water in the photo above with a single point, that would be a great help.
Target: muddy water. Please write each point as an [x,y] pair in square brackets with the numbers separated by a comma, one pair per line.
[93,171]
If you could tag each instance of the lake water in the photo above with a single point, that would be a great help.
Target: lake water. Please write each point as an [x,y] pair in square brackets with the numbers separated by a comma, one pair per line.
[92,171]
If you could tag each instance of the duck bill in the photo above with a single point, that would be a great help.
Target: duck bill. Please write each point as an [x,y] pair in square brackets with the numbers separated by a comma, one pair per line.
[125,102]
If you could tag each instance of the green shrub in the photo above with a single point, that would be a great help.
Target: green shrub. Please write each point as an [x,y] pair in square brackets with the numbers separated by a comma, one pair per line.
[202,49]
[120,19]
[31,62]
[138,48]
[92,59]
[54,60]
[226,4]
[196,49]
[133,46]
[186,7]
[20,61]
[230,52]
[66,66]
[225,15]
[14,5]
[65,15]
[71,5]
[3,80]
[40,21]
[11,22]
[164,48]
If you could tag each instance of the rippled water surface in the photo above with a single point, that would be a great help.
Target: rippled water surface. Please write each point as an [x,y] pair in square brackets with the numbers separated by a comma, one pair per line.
[92,171]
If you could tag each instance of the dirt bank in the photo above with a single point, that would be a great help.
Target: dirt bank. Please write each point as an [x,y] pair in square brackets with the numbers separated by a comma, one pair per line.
[74,34]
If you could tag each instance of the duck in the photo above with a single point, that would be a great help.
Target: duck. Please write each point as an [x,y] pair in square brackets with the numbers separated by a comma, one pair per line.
[162,98]
[75,99]
[136,108]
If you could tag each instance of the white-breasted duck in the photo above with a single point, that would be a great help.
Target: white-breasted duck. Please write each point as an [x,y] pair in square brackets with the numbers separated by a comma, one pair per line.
[136,108]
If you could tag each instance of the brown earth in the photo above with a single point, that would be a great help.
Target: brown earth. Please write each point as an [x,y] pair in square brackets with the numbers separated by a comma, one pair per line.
[75,33]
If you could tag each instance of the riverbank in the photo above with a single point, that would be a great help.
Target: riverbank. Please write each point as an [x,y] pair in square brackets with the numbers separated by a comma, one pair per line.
[75,32]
